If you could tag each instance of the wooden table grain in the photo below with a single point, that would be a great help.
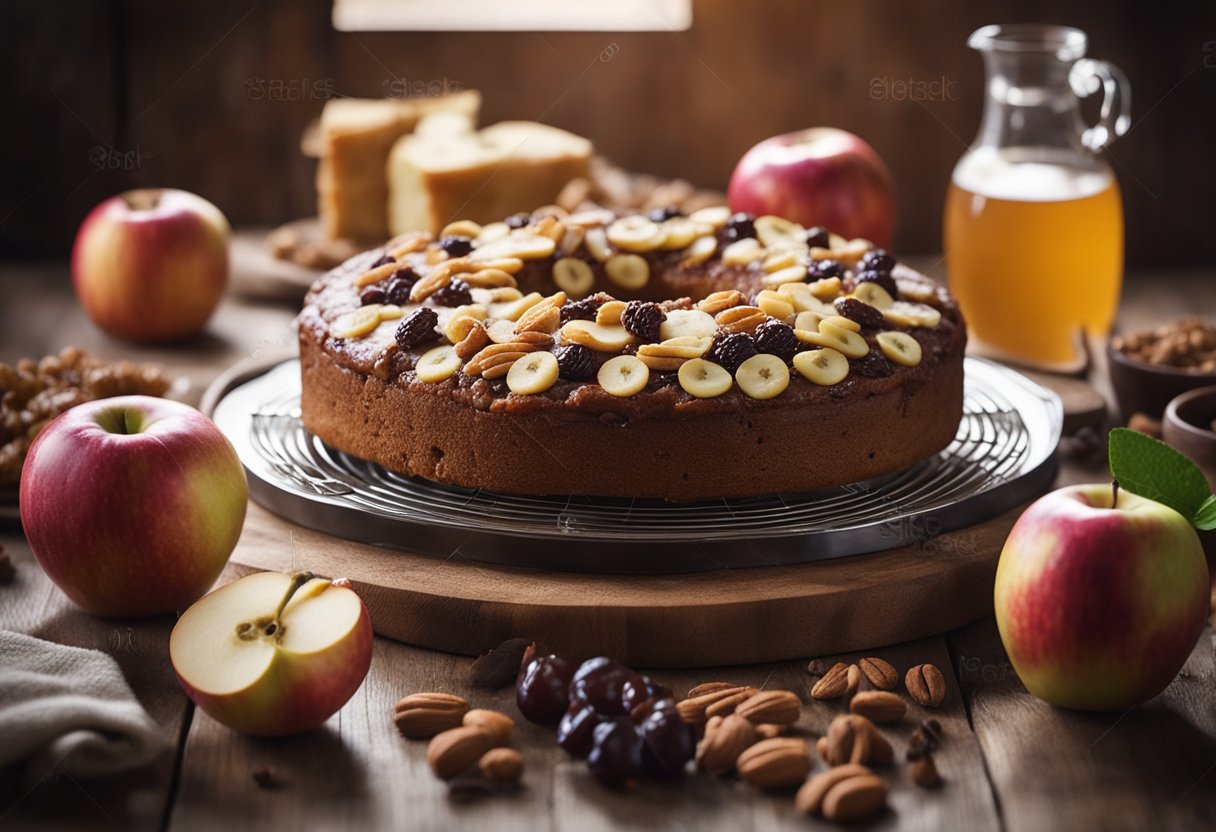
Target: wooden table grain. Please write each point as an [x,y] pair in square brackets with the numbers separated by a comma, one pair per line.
[1009,761]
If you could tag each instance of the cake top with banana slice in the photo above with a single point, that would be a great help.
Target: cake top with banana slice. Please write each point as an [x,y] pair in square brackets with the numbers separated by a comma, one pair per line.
[626,314]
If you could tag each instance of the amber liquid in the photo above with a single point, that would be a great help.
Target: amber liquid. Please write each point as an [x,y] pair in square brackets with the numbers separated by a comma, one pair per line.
[1035,275]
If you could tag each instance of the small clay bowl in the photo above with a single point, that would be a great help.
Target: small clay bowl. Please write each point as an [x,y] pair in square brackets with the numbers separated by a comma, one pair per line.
[1188,428]
[1147,388]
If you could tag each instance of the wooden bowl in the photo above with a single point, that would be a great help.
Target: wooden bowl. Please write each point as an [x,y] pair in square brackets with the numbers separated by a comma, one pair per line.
[1187,427]
[1147,388]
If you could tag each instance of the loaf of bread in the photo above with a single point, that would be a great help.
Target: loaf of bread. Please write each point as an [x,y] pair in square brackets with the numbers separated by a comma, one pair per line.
[357,136]
[437,175]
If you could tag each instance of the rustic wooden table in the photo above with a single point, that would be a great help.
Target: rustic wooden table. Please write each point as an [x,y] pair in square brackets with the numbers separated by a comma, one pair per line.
[1009,761]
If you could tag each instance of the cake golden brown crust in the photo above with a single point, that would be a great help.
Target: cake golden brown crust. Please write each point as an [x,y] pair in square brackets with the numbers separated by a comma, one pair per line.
[363,395]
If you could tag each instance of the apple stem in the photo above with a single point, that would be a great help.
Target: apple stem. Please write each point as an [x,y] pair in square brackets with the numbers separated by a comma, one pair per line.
[1114,493]
[297,580]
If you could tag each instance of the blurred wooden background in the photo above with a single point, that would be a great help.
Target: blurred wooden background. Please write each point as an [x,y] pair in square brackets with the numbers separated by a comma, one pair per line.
[213,97]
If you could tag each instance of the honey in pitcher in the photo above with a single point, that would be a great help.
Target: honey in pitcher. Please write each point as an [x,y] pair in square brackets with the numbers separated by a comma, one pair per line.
[1035,254]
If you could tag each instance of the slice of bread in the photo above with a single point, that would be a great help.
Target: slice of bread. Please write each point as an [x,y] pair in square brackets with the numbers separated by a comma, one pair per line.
[436,175]
[356,137]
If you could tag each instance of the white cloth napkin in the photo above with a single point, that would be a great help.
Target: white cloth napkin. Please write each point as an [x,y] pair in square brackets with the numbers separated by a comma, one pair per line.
[70,709]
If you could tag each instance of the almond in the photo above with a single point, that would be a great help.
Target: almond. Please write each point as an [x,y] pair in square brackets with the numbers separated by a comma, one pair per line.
[725,739]
[880,673]
[926,685]
[423,715]
[778,707]
[809,799]
[497,725]
[840,680]
[879,706]
[502,765]
[456,749]
[775,764]
[693,709]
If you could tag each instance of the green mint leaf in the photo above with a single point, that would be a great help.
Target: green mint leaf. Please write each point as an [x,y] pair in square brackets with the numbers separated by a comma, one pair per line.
[1154,470]
[1205,518]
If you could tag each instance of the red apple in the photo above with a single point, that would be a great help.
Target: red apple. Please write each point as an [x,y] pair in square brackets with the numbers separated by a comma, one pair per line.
[1100,606]
[132,505]
[273,654]
[820,176]
[151,265]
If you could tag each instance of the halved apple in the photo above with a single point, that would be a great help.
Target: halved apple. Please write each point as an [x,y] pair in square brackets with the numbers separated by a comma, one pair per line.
[272,653]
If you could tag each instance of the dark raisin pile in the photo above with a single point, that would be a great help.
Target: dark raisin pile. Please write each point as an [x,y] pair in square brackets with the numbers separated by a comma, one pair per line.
[869,317]
[456,293]
[456,246]
[818,237]
[625,724]
[883,279]
[642,319]
[776,338]
[740,226]
[731,349]
[384,260]
[574,362]
[418,327]
[579,310]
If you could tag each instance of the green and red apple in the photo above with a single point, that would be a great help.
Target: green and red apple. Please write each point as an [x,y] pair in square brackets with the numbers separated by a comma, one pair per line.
[819,176]
[132,505]
[1100,597]
[273,654]
[150,265]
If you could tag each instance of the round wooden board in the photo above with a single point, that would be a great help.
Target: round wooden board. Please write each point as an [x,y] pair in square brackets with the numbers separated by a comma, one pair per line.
[722,617]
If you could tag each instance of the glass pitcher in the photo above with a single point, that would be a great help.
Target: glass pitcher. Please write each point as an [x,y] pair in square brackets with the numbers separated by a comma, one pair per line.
[1034,218]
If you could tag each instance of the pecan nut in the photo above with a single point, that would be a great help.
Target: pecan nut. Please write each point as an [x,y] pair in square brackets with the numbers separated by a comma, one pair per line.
[776,707]
[716,302]
[879,672]
[842,794]
[693,709]
[926,685]
[775,764]
[725,739]
[879,706]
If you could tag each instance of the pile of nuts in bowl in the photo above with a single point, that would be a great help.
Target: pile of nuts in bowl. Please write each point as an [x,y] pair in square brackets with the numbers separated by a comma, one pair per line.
[1186,344]
[35,391]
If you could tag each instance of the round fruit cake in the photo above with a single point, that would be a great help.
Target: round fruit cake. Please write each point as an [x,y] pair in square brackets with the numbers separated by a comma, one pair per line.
[679,357]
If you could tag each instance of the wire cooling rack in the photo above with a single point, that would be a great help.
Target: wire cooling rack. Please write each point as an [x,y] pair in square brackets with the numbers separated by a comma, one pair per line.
[1003,454]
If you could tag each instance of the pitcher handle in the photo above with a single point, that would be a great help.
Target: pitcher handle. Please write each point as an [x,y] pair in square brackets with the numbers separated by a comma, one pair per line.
[1088,77]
